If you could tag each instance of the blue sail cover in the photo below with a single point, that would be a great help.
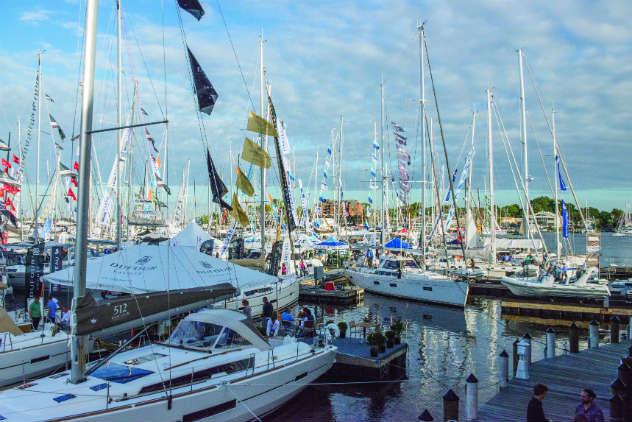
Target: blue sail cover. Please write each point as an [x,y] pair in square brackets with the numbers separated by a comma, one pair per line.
[120,374]
[397,243]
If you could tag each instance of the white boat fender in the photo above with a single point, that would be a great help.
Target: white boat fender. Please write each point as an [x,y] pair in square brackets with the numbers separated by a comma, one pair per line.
[331,332]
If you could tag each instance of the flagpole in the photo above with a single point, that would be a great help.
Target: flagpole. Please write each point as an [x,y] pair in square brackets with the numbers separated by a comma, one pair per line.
[263,174]
[118,132]
[37,165]
[524,141]
[382,159]
[492,214]
[21,214]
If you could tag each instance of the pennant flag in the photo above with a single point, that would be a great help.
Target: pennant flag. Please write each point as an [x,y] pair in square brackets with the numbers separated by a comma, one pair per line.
[254,154]
[238,213]
[243,183]
[329,150]
[5,163]
[397,128]
[564,221]
[193,7]
[62,167]
[559,174]
[74,182]
[206,94]
[158,162]
[142,110]
[3,146]
[16,159]
[217,186]
[49,98]
[370,200]
[76,166]
[54,124]
[260,125]
[71,194]
[150,139]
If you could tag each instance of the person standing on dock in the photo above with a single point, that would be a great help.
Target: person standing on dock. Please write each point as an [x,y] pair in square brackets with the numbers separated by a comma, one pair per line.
[588,408]
[535,413]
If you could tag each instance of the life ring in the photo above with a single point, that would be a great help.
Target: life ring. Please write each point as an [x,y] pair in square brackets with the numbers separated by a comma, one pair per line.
[332,331]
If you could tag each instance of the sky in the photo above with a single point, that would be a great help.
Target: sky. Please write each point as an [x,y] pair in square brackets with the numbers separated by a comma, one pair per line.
[324,60]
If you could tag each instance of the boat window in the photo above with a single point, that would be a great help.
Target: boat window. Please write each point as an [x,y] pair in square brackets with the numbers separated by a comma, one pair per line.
[230,338]
[392,265]
[377,283]
[264,290]
[428,288]
[195,334]
[393,284]
[409,263]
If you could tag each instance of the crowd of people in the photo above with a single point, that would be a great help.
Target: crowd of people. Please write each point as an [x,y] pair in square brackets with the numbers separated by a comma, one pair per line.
[586,411]
[52,316]
[274,324]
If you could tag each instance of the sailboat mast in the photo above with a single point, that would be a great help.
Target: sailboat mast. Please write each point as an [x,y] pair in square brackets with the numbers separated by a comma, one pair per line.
[492,214]
[422,95]
[556,177]
[119,124]
[263,172]
[524,144]
[77,348]
[341,206]
[20,212]
[469,175]
[37,147]
[382,159]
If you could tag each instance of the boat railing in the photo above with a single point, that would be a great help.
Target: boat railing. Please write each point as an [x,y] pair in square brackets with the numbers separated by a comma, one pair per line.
[4,342]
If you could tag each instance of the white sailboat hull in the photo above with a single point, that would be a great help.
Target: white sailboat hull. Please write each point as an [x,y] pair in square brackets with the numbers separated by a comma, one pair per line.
[425,287]
[531,288]
[285,292]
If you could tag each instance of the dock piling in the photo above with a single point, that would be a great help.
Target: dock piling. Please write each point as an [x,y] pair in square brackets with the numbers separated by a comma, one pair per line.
[593,336]
[426,416]
[573,338]
[550,343]
[630,328]
[527,338]
[614,330]
[515,356]
[471,398]
[450,406]
[522,372]
[503,372]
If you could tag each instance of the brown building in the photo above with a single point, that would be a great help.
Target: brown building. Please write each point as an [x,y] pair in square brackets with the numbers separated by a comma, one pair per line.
[354,209]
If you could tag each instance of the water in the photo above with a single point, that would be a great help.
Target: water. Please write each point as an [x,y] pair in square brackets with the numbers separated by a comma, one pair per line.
[614,250]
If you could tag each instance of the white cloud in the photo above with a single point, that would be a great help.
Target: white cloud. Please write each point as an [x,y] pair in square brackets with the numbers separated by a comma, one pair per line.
[36,16]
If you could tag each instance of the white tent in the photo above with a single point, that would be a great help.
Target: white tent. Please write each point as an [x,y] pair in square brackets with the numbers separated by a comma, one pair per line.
[192,235]
[147,268]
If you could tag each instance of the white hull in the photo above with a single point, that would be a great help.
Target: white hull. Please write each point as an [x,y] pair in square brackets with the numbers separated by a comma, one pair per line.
[285,291]
[30,355]
[532,287]
[425,287]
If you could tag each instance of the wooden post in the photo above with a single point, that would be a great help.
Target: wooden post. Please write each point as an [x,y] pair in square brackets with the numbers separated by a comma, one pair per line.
[593,337]
[503,375]
[522,372]
[426,416]
[573,338]
[515,356]
[630,328]
[550,343]
[527,338]
[614,330]
[471,398]
[450,406]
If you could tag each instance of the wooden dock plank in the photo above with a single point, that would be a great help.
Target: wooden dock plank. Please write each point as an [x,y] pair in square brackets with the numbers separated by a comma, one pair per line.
[565,376]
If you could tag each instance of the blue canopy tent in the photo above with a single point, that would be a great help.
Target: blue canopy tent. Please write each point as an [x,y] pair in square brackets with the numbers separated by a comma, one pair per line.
[331,244]
[397,243]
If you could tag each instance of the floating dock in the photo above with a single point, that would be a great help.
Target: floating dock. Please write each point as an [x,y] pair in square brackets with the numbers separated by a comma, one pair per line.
[355,363]
[348,295]
[565,376]
[565,311]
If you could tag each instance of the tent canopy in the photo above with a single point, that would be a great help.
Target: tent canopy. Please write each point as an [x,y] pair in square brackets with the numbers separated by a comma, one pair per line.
[331,243]
[147,268]
[397,243]
[192,235]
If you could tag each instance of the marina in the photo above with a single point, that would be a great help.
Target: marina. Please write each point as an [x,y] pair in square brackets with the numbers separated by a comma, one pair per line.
[232,211]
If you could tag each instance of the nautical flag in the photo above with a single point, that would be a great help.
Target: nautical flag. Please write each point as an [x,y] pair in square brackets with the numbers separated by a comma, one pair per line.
[142,110]
[193,7]
[49,98]
[260,125]
[559,174]
[76,166]
[206,94]
[316,224]
[54,124]
[283,140]
[150,139]
[238,212]
[74,181]
[564,221]
[243,183]
[62,167]
[254,154]
[217,186]
[373,173]
[370,200]
[5,163]
[376,146]
[404,156]
[366,225]
[71,194]
[397,127]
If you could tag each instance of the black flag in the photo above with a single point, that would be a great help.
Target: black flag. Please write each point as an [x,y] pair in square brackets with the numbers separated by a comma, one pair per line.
[206,94]
[193,7]
[217,186]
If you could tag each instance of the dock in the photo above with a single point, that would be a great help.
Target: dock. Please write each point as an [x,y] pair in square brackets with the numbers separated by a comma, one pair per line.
[565,376]
[355,363]
[564,311]
[348,295]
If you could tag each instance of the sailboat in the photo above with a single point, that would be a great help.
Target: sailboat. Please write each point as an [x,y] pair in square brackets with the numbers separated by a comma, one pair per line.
[624,225]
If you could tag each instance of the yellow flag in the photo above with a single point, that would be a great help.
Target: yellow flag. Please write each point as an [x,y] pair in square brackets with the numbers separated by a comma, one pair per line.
[158,163]
[260,125]
[243,183]
[254,154]
[238,213]
[150,195]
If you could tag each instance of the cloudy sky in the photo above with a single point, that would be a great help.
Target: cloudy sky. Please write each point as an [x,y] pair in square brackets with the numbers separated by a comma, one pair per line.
[324,60]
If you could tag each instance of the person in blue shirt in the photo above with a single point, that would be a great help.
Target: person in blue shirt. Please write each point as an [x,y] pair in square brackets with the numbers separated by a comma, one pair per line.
[588,408]
[52,309]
